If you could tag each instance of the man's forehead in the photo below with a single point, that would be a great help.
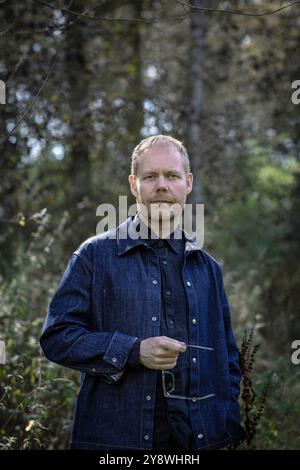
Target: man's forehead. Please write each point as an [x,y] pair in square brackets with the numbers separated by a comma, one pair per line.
[157,169]
[162,149]
[161,159]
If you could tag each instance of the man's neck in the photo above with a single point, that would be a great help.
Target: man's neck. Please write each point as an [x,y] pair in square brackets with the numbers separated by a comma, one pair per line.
[160,228]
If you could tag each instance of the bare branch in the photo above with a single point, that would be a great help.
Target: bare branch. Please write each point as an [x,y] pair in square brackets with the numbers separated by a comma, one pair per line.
[33,101]
[236,12]
[106,18]
[8,28]
[18,65]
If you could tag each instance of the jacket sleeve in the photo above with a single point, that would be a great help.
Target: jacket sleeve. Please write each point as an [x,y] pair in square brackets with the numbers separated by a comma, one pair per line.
[133,361]
[67,337]
[235,428]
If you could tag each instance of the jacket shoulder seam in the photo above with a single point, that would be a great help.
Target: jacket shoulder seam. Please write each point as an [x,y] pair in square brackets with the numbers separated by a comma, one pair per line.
[76,253]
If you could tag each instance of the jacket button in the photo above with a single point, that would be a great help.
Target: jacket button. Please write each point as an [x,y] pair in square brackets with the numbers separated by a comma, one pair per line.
[188,283]
[200,436]
[93,370]
[154,281]
[153,318]
[194,321]
[114,359]
[194,359]
[146,437]
[148,397]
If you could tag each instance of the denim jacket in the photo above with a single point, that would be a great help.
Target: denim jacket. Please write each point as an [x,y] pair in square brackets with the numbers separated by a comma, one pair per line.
[108,298]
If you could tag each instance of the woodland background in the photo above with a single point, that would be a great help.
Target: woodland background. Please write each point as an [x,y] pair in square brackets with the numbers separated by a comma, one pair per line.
[85,82]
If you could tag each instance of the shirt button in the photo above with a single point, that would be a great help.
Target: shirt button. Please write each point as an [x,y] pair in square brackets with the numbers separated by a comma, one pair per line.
[168,292]
[114,359]
[171,322]
[194,359]
[200,436]
[194,321]
[154,281]
[153,318]
[188,283]
[146,437]
[148,397]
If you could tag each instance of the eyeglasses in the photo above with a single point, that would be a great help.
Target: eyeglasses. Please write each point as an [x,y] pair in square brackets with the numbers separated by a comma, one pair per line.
[169,386]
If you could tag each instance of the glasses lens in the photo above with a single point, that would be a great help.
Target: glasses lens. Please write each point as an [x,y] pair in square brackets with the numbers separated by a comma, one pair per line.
[169,381]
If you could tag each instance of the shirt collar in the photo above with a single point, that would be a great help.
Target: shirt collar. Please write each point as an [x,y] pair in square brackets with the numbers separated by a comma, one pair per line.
[125,241]
[175,240]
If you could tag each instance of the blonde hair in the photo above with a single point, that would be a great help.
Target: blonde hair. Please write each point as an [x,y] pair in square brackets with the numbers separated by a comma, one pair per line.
[162,141]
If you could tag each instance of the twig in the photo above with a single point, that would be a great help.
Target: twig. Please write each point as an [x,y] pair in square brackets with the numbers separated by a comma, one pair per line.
[33,101]
[107,18]
[237,12]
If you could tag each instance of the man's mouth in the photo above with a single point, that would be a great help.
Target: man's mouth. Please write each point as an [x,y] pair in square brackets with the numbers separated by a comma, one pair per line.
[160,202]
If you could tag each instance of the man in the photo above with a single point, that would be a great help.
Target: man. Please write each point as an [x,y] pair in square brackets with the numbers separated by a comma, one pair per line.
[146,320]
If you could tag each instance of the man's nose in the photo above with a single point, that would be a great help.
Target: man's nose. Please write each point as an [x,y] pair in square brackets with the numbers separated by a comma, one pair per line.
[161,183]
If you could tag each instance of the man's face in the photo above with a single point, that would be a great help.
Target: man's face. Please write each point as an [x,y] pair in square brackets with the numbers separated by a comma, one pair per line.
[161,184]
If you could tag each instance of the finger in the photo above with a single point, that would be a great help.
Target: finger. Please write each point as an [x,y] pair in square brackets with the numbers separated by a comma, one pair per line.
[165,354]
[167,364]
[170,366]
[171,340]
[166,359]
[173,345]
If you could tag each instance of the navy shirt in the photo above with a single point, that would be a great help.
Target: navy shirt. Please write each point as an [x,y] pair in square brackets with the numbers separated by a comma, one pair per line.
[172,426]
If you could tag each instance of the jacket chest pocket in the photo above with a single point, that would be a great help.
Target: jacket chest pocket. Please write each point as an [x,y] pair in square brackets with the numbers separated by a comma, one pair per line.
[124,308]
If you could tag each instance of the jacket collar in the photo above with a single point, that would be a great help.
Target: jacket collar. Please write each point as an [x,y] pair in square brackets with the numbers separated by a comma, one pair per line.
[128,238]
[175,240]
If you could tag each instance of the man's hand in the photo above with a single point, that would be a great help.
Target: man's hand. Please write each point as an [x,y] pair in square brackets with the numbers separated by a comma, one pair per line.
[160,352]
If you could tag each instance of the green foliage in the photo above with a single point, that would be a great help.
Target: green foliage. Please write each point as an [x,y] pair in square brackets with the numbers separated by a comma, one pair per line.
[36,396]
[255,217]
[70,152]
[278,427]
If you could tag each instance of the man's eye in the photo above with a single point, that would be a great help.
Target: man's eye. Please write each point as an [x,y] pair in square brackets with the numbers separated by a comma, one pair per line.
[149,177]
[173,176]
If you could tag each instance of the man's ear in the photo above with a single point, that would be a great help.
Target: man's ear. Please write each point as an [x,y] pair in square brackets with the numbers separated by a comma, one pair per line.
[132,183]
[189,182]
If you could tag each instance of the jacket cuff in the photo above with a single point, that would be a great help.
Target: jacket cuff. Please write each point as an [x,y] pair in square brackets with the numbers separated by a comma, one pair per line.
[133,360]
[118,349]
